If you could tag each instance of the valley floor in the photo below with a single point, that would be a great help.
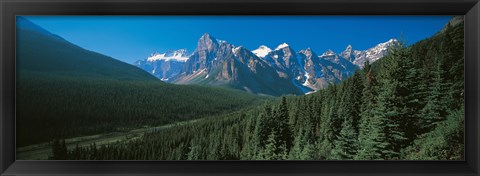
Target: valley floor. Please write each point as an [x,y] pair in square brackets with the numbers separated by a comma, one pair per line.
[44,150]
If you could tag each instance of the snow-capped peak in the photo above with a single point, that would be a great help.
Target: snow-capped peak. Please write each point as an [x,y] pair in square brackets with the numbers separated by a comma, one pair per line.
[180,55]
[262,51]
[387,43]
[283,45]
[374,53]
[328,53]
[392,40]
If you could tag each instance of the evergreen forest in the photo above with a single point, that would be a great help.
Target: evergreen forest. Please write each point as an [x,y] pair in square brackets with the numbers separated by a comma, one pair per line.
[409,105]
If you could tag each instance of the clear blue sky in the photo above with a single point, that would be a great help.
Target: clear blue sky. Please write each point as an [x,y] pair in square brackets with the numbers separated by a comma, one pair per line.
[129,38]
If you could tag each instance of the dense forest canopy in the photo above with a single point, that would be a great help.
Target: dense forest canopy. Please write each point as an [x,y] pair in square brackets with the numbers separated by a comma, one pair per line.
[408,105]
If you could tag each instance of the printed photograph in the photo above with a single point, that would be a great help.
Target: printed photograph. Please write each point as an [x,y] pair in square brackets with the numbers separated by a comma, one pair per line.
[240,88]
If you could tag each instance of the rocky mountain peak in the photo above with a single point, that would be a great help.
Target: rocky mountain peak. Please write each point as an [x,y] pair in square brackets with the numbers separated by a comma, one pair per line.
[207,42]
[329,52]
[349,48]
[348,53]
[307,52]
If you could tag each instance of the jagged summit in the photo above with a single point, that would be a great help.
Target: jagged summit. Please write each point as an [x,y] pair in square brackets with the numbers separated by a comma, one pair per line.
[329,52]
[306,51]
[205,36]
[206,42]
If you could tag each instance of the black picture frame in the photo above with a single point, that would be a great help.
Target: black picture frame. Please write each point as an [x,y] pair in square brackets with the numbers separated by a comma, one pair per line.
[10,8]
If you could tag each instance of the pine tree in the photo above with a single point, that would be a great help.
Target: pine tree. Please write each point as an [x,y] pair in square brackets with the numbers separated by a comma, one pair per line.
[413,90]
[296,150]
[249,140]
[390,105]
[269,152]
[302,148]
[263,125]
[434,110]
[453,64]
[285,134]
[346,144]
[327,133]
[371,138]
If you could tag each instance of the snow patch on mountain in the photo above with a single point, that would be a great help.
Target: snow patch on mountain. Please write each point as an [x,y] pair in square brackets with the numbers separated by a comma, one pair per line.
[283,45]
[262,51]
[177,55]
[302,88]
[234,50]
[307,77]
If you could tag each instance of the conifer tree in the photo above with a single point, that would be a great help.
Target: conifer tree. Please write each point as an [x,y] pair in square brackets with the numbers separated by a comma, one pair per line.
[434,110]
[390,105]
[327,133]
[371,138]
[269,152]
[284,132]
[346,143]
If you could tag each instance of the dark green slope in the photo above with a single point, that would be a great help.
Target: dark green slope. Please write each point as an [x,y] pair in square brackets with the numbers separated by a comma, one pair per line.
[66,91]
[41,51]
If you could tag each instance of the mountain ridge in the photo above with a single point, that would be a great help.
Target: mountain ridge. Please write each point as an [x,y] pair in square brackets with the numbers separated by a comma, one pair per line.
[219,63]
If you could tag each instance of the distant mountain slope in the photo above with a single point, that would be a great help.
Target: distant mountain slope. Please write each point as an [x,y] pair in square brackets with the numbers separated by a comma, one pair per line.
[63,91]
[41,51]
[164,65]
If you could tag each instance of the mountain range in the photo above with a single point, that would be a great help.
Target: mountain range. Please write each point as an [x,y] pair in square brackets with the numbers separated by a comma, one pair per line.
[264,70]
